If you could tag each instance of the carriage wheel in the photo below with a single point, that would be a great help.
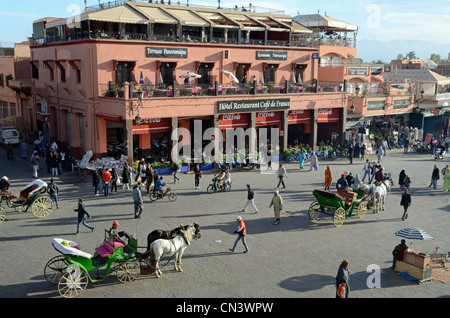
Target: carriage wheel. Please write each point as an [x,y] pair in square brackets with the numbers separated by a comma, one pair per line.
[73,283]
[2,214]
[55,268]
[127,272]
[172,196]
[362,210]
[42,207]
[339,217]
[314,210]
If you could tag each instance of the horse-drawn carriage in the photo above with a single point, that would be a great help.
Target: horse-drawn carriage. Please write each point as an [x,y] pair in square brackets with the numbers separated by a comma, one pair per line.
[337,206]
[32,197]
[72,270]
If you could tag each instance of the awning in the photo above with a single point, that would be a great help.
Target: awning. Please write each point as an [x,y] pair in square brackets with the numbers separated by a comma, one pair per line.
[267,118]
[188,18]
[151,125]
[324,22]
[233,121]
[329,115]
[157,15]
[120,14]
[299,116]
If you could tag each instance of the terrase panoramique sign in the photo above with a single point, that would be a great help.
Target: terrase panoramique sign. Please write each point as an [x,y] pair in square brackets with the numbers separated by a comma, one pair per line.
[181,53]
[234,106]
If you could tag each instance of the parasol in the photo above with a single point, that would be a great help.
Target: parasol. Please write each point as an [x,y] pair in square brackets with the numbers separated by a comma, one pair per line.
[229,74]
[413,233]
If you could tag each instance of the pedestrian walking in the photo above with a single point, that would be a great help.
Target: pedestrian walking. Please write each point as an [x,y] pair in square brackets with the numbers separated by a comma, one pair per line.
[366,170]
[35,164]
[10,152]
[107,182]
[380,153]
[301,159]
[356,181]
[281,174]
[373,171]
[126,176]
[197,175]
[434,177]
[138,200]
[250,200]
[277,203]
[241,231]
[350,153]
[53,191]
[356,151]
[95,181]
[59,161]
[398,253]
[149,177]
[24,149]
[405,202]
[314,162]
[343,275]
[384,145]
[53,164]
[401,180]
[447,178]
[176,170]
[363,151]
[83,215]
[114,179]
[328,178]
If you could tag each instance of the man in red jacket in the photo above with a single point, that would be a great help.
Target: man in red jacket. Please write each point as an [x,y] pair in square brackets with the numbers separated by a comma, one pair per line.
[107,180]
[241,231]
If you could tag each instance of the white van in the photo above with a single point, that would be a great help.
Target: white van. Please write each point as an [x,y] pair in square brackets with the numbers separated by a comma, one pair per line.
[9,136]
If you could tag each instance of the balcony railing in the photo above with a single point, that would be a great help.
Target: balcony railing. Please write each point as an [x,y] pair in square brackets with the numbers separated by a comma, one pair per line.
[149,91]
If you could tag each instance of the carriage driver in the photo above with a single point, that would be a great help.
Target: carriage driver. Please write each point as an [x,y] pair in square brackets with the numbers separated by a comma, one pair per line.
[344,190]
[4,184]
[115,235]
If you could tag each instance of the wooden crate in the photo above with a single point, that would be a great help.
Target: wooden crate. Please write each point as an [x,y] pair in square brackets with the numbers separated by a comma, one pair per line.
[417,260]
[414,271]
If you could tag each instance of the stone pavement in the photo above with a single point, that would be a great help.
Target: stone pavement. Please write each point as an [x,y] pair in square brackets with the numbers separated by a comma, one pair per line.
[297,258]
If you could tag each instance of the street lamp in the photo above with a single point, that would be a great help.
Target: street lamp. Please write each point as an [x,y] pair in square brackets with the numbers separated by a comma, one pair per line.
[138,118]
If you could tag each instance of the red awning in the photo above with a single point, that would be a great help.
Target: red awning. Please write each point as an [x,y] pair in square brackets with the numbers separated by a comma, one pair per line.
[151,125]
[299,116]
[267,118]
[329,115]
[233,121]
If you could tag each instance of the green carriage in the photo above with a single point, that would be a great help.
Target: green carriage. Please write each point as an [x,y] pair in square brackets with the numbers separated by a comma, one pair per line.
[337,206]
[32,198]
[73,270]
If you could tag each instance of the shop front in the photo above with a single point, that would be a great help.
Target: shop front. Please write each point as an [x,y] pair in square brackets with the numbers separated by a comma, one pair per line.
[233,121]
[329,125]
[264,123]
[299,127]
[151,138]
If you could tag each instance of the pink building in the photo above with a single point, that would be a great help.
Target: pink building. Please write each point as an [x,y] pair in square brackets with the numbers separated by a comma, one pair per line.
[115,80]
[15,87]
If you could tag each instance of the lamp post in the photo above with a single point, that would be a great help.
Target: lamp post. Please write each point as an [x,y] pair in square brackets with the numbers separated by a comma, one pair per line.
[138,118]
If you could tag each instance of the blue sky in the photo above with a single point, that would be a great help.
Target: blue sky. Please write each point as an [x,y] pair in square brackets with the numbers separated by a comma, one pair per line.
[386,28]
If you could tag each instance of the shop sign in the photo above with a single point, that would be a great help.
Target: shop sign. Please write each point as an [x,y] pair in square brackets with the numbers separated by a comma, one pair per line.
[328,115]
[151,125]
[299,116]
[401,103]
[271,55]
[357,71]
[227,121]
[267,118]
[180,53]
[254,105]
[376,105]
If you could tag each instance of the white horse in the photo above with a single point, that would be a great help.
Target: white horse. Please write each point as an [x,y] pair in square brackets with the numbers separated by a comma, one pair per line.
[172,246]
[379,192]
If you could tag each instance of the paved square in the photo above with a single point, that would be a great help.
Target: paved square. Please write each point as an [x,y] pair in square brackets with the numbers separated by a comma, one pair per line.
[296,258]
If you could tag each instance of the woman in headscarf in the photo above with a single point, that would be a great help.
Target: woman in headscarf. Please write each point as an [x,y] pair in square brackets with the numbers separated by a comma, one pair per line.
[401,180]
[314,165]
[301,158]
[328,178]
[356,181]
[447,179]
